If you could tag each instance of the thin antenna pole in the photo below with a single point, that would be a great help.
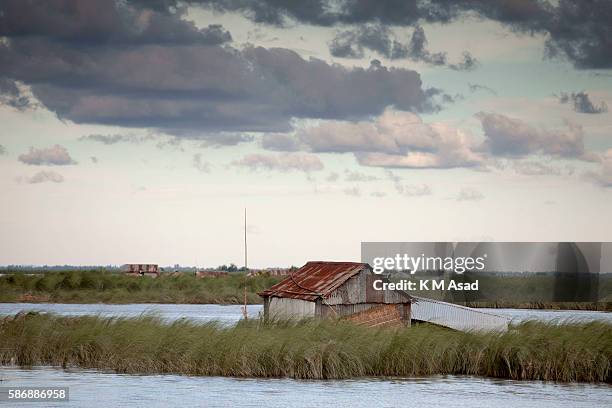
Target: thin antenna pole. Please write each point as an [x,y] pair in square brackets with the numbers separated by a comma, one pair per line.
[246,268]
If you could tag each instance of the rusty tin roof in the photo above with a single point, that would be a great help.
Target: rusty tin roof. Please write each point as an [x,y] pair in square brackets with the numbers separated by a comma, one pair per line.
[315,279]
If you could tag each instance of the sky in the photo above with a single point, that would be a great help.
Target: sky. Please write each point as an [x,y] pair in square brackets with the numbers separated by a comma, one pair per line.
[139,131]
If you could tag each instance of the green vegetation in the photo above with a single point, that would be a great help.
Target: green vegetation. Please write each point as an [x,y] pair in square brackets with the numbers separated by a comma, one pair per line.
[108,287]
[534,291]
[103,286]
[307,349]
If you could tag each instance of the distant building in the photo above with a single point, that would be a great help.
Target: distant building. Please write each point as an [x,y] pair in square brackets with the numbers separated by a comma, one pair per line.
[337,289]
[151,270]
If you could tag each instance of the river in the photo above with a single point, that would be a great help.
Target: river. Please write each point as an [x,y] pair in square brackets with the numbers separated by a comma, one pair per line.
[94,389]
[90,388]
[233,313]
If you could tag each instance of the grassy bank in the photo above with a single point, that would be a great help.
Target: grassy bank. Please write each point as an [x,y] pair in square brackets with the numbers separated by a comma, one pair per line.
[106,287]
[591,306]
[309,349]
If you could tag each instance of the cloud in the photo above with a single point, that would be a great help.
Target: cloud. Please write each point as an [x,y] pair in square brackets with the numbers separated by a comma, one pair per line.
[512,137]
[104,22]
[45,177]
[281,162]
[356,176]
[469,194]
[53,156]
[477,87]
[577,31]
[394,139]
[116,138]
[603,176]
[201,165]
[332,177]
[210,139]
[352,191]
[279,142]
[379,38]
[413,190]
[582,103]
[133,65]
[374,37]
[11,95]
[417,51]
[535,168]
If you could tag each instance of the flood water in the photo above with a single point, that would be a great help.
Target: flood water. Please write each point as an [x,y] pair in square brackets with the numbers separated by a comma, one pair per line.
[90,388]
[232,313]
[94,389]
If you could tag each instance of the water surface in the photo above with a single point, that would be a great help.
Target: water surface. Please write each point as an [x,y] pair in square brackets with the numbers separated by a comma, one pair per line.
[233,313]
[94,389]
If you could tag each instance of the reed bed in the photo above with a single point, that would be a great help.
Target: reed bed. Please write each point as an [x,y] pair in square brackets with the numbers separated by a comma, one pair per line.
[574,352]
[109,287]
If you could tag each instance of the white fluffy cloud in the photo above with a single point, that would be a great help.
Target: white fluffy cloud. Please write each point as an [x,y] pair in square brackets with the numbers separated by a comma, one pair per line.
[45,177]
[281,162]
[507,136]
[53,156]
[394,139]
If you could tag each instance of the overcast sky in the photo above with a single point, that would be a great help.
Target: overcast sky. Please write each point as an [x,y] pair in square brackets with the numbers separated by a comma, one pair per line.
[139,131]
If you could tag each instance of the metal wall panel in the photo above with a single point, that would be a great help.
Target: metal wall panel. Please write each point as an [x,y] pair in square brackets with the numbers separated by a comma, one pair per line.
[287,308]
[457,317]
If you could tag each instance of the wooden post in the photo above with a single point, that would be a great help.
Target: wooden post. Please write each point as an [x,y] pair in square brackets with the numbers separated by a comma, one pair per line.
[246,268]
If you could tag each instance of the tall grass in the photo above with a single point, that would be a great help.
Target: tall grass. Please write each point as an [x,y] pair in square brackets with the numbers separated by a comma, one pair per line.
[307,349]
[107,287]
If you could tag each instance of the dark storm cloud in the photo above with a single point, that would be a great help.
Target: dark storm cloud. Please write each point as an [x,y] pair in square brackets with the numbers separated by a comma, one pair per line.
[118,64]
[373,37]
[102,22]
[417,51]
[380,39]
[579,31]
[582,103]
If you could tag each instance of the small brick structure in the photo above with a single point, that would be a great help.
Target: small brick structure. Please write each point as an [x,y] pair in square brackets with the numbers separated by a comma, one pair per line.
[380,316]
[151,270]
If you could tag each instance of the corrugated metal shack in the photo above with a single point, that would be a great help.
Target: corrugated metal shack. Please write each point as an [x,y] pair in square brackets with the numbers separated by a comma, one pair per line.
[337,289]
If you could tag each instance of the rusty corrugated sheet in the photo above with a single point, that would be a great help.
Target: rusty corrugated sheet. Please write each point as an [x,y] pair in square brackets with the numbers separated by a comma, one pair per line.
[315,279]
